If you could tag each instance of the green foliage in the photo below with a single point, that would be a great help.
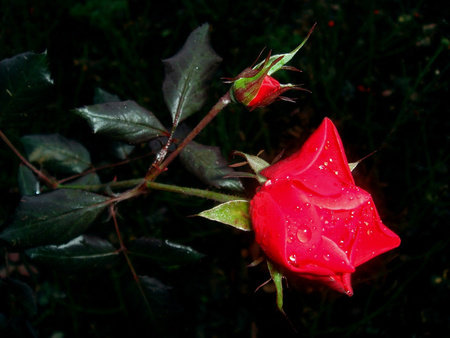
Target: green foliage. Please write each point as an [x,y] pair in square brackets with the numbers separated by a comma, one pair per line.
[81,254]
[123,121]
[234,213]
[165,253]
[56,153]
[188,74]
[24,79]
[208,164]
[54,217]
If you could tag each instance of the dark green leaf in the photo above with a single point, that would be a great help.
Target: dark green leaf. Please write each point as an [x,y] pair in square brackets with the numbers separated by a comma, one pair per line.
[24,80]
[122,121]
[53,218]
[163,252]
[80,254]
[56,153]
[102,96]
[88,179]
[159,298]
[234,213]
[27,181]
[120,150]
[208,164]
[188,74]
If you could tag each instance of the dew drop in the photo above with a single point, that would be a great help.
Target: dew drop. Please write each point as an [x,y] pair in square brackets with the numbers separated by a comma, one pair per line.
[304,234]
[326,257]
[268,183]
[293,259]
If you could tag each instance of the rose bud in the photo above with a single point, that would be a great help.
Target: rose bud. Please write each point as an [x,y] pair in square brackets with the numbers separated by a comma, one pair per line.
[255,87]
[311,219]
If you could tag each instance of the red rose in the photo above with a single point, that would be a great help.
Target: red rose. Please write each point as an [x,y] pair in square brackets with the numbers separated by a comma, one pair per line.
[311,219]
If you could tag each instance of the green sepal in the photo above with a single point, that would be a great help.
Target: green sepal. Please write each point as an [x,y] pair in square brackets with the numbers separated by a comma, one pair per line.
[234,213]
[256,163]
[277,276]
[283,58]
[353,165]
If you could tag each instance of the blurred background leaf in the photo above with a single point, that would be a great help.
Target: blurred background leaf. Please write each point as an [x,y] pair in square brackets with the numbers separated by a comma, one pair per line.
[24,82]
[56,153]
[81,254]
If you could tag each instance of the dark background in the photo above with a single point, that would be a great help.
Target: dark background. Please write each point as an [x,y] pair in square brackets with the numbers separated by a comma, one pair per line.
[378,69]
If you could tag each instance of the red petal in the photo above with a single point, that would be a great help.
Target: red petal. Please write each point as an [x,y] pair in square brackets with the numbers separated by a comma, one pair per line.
[268,87]
[290,231]
[269,226]
[322,152]
[339,282]
[372,237]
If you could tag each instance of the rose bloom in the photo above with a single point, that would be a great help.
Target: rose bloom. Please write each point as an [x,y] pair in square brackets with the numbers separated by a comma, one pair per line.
[311,219]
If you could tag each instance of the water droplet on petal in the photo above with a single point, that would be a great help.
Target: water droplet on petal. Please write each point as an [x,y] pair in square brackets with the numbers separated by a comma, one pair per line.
[304,234]
[326,257]
[293,259]
[268,183]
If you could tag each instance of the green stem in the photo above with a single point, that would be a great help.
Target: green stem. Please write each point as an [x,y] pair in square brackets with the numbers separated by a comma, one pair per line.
[102,187]
[212,195]
[155,170]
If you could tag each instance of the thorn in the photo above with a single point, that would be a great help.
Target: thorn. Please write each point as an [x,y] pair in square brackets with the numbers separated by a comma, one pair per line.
[266,282]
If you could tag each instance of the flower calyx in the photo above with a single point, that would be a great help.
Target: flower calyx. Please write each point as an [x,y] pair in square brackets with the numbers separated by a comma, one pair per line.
[255,87]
